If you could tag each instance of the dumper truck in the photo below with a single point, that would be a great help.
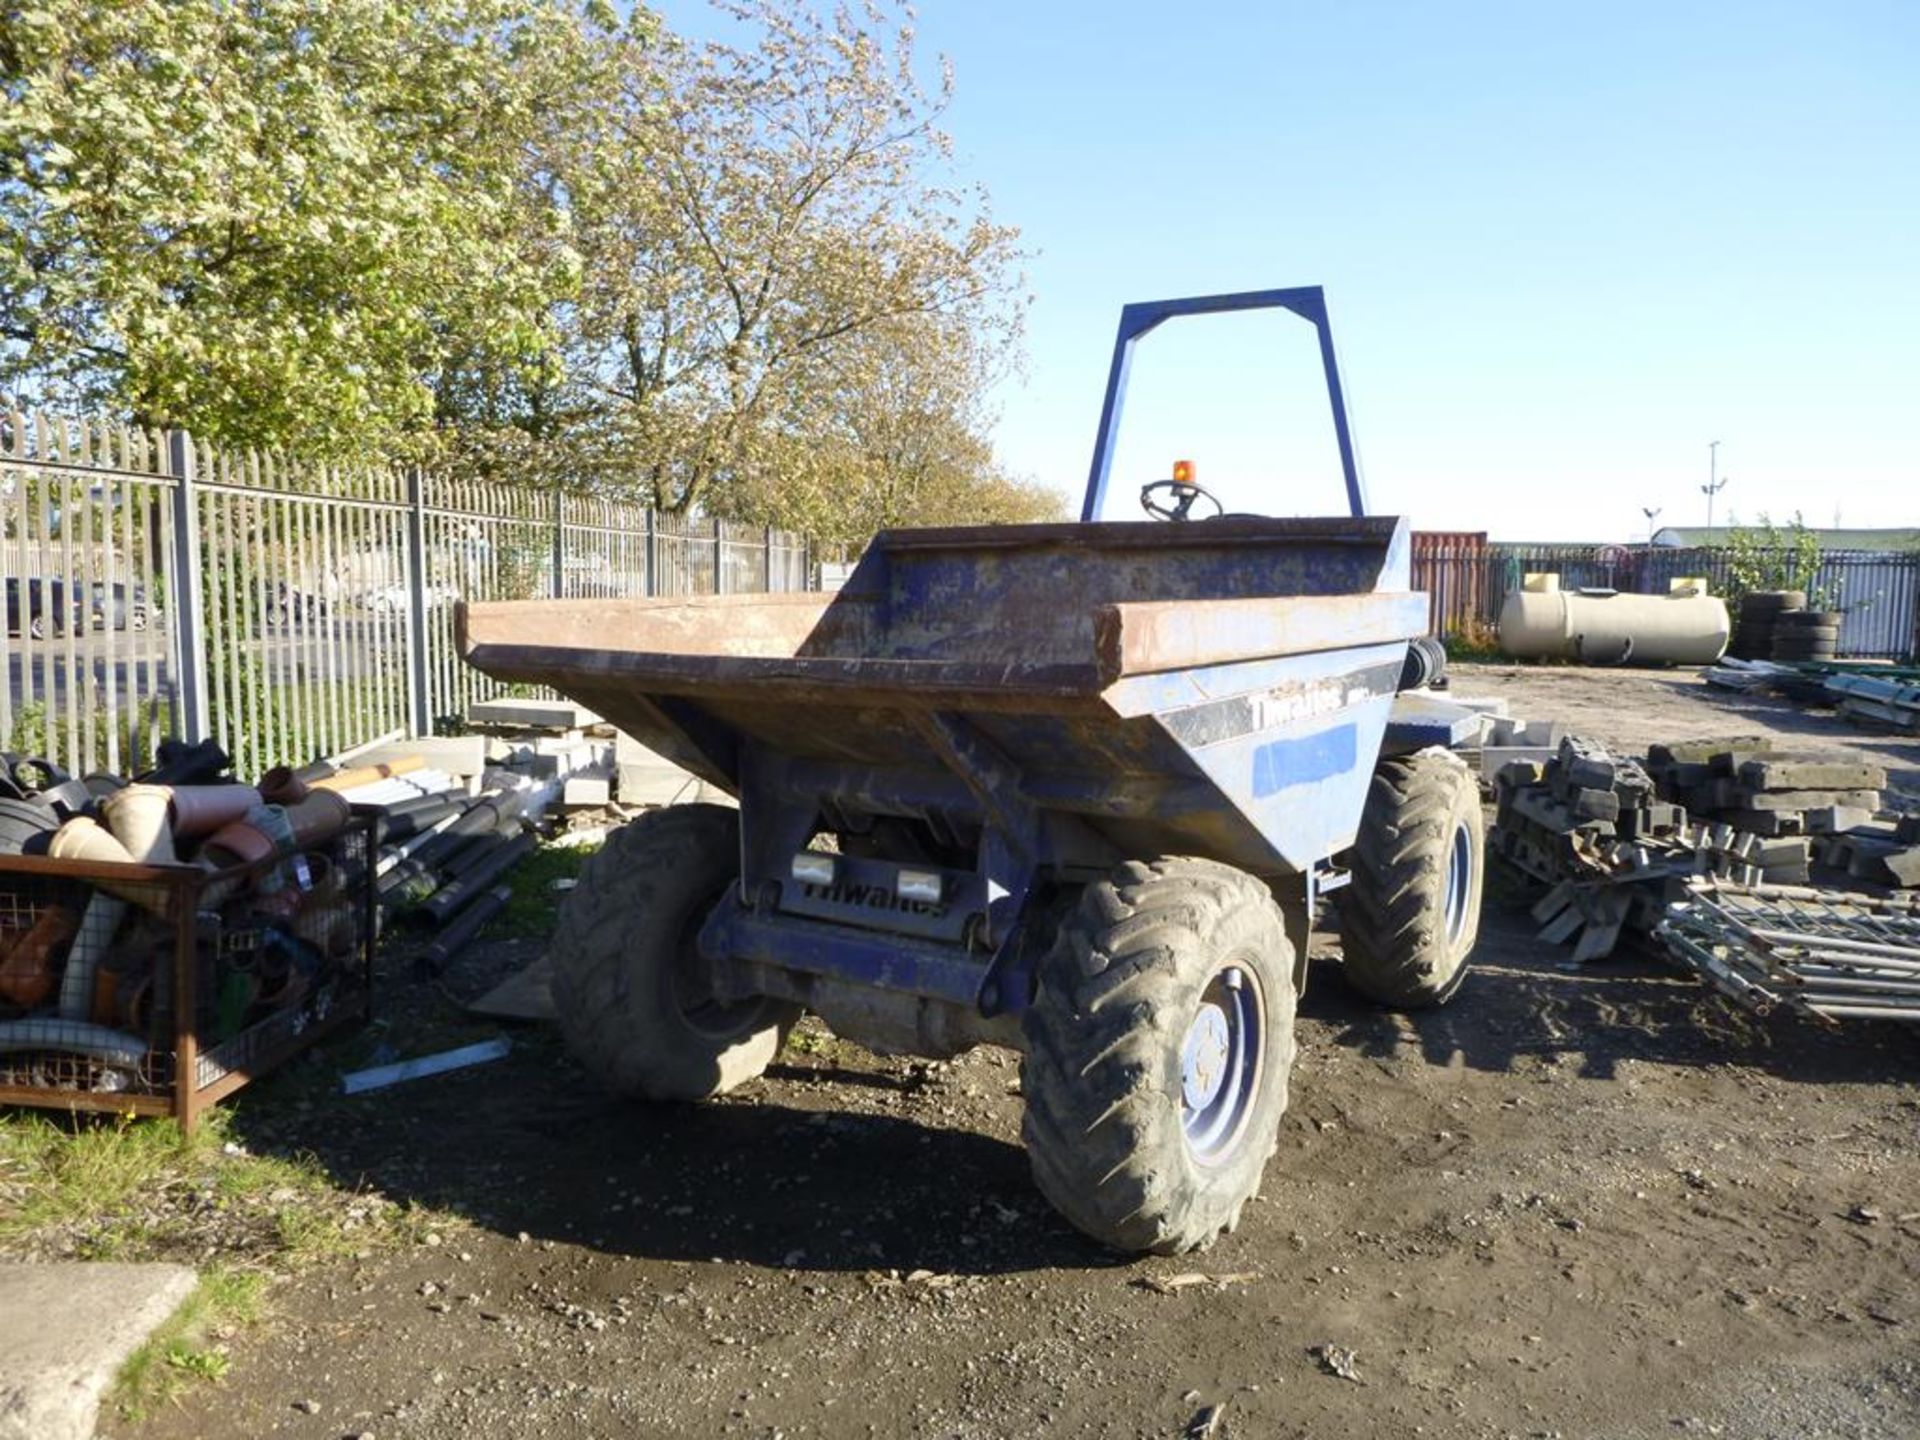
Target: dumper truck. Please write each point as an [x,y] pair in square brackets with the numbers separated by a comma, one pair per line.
[1078,790]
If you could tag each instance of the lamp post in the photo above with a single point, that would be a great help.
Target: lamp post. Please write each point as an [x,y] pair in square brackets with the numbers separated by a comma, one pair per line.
[1652,513]
[1714,483]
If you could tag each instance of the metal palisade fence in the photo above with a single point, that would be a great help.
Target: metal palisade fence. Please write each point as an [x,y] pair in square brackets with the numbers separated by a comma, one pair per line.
[1469,578]
[157,586]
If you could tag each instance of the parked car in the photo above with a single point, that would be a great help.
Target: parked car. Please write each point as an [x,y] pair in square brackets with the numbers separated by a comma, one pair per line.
[53,607]
[284,604]
[392,599]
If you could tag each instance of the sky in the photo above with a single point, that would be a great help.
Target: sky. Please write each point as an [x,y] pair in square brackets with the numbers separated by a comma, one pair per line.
[1565,248]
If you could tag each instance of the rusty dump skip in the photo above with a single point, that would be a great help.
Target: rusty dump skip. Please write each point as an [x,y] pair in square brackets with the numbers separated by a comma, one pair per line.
[1054,638]
[987,614]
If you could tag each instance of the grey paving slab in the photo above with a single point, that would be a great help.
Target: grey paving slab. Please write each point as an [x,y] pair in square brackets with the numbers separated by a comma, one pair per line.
[65,1330]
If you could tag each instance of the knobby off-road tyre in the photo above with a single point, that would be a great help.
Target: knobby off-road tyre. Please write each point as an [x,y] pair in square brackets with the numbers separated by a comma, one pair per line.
[1158,1048]
[628,980]
[1409,919]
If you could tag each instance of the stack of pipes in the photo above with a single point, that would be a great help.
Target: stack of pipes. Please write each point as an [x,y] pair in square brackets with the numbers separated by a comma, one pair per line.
[444,846]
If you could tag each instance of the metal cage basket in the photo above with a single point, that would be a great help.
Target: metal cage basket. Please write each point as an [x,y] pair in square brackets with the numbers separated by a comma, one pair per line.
[161,989]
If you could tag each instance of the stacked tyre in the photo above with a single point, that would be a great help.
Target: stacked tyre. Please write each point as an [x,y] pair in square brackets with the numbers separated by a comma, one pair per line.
[1806,635]
[1760,612]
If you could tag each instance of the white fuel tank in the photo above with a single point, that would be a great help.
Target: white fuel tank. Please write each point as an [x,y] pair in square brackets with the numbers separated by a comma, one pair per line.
[1686,626]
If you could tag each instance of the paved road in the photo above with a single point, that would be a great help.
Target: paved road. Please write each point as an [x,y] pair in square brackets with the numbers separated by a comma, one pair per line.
[138,663]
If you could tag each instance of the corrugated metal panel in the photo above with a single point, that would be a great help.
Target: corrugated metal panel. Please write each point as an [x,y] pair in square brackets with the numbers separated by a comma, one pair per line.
[1450,566]
[1877,593]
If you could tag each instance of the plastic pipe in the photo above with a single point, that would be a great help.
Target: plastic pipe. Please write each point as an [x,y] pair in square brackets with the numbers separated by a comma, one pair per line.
[464,926]
[451,896]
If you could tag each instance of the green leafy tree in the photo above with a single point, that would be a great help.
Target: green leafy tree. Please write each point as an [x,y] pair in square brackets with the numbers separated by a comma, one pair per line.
[529,239]
[275,221]
[1766,556]
[768,207]
[902,442]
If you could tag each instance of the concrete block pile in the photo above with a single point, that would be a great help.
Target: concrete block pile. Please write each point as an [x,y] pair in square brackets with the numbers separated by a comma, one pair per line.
[585,764]
[1616,841]
[1828,804]
[562,746]
[1592,827]
[1886,852]
[1752,785]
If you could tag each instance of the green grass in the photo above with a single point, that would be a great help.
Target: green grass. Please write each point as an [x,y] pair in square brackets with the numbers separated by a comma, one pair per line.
[102,1189]
[56,1173]
[1475,641]
[811,1037]
[530,914]
[120,1188]
[36,732]
[191,1347]
[294,712]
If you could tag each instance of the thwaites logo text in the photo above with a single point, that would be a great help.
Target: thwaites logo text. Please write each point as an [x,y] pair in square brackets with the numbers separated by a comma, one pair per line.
[1307,702]
[872,897]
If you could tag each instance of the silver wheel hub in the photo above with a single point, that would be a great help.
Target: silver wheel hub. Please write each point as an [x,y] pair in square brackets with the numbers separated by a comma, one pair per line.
[1203,1057]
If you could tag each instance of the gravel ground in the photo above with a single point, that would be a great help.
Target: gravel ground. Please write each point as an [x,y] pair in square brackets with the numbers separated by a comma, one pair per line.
[1572,1203]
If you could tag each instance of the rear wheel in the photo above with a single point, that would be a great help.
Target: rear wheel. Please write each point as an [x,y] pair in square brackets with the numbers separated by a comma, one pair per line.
[634,997]
[1158,1050]
[1410,917]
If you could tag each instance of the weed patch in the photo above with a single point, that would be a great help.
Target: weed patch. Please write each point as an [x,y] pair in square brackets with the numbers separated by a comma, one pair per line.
[191,1348]
[535,906]
[118,1188]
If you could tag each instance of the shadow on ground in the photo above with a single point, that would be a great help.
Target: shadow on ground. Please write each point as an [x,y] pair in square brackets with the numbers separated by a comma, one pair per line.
[531,1146]
[801,1171]
[1524,1003]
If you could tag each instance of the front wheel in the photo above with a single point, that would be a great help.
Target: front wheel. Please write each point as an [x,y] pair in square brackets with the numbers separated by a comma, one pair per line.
[1158,1048]
[633,994]
[1410,917]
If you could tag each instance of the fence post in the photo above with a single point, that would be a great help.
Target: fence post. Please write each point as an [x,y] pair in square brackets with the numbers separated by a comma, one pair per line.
[418,717]
[559,541]
[189,606]
[766,561]
[1913,579]
[719,560]
[653,552]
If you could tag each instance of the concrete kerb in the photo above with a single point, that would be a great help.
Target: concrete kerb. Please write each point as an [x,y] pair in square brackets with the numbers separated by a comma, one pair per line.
[65,1331]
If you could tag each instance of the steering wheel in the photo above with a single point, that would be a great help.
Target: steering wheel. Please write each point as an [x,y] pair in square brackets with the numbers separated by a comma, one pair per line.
[1183,494]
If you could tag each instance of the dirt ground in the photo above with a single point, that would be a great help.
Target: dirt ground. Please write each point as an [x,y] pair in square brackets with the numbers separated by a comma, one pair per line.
[1573,1203]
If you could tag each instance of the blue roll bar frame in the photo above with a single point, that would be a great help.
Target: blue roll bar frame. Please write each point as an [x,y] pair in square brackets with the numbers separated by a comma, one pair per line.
[1309,302]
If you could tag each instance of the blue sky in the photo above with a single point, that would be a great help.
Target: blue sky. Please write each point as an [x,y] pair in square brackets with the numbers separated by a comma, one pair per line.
[1564,246]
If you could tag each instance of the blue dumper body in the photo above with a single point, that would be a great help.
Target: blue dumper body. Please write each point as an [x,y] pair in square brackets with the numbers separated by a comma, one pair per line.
[1000,708]
[1074,789]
